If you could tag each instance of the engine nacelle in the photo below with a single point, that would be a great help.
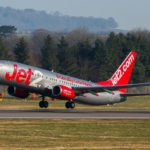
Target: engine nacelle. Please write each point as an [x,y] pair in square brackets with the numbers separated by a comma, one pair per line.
[17,92]
[63,92]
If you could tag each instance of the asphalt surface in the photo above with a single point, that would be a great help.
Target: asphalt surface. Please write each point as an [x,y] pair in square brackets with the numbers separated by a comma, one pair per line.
[73,114]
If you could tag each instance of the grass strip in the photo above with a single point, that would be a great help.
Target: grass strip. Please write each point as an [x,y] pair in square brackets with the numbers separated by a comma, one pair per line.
[26,134]
[133,103]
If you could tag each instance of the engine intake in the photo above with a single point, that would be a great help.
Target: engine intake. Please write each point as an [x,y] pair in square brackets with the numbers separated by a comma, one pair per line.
[17,92]
[63,92]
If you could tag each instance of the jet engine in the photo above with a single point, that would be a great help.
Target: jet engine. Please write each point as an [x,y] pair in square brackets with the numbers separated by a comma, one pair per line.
[63,92]
[17,92]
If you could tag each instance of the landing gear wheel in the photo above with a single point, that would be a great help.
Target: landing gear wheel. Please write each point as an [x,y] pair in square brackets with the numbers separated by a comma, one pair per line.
[41,104]
[45,104]
[67,105]
[70,105]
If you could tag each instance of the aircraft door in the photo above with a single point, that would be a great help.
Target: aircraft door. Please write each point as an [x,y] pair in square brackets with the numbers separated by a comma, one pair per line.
[4,67]
[111,97]
[8,69]
[1,69]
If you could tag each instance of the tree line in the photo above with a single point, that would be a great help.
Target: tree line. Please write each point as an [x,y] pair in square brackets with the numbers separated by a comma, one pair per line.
[30,19]
[80,53]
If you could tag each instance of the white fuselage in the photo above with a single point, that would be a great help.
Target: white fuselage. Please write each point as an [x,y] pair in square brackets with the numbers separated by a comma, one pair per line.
[41,81]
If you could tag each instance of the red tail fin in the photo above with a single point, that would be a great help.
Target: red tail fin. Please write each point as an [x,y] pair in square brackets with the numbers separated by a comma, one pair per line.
[123,73]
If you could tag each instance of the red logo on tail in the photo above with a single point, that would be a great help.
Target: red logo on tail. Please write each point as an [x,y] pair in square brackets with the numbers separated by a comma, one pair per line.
[122,70]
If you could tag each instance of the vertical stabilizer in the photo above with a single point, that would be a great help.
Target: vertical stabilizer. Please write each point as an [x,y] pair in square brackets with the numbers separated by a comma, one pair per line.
[123,73]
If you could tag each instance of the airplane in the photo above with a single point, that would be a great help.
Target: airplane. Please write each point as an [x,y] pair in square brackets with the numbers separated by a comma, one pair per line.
[23,79]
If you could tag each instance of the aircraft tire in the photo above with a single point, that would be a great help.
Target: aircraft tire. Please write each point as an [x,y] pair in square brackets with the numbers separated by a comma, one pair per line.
[67,105]
[72,105]
[41,104]
[45,104]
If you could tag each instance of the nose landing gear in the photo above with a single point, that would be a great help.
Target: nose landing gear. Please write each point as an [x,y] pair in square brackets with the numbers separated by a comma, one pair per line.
[70,104]
[43,103]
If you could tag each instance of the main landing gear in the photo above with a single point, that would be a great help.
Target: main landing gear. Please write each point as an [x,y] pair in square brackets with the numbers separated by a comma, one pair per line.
[43,103]
[70,104]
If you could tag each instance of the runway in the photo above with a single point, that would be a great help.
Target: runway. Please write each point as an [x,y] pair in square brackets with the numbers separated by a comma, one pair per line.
[73,114]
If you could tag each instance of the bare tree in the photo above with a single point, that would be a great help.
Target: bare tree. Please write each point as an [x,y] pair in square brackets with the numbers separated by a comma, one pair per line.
[36,43]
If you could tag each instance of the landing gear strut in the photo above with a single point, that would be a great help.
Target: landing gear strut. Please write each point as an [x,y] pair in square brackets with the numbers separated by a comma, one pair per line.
[70,104]
[43,103]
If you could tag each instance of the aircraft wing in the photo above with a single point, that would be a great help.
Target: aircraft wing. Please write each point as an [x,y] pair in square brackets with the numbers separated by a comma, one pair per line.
[108,89]
[130,94]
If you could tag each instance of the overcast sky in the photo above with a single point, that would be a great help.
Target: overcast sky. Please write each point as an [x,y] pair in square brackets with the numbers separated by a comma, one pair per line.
[130,14]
